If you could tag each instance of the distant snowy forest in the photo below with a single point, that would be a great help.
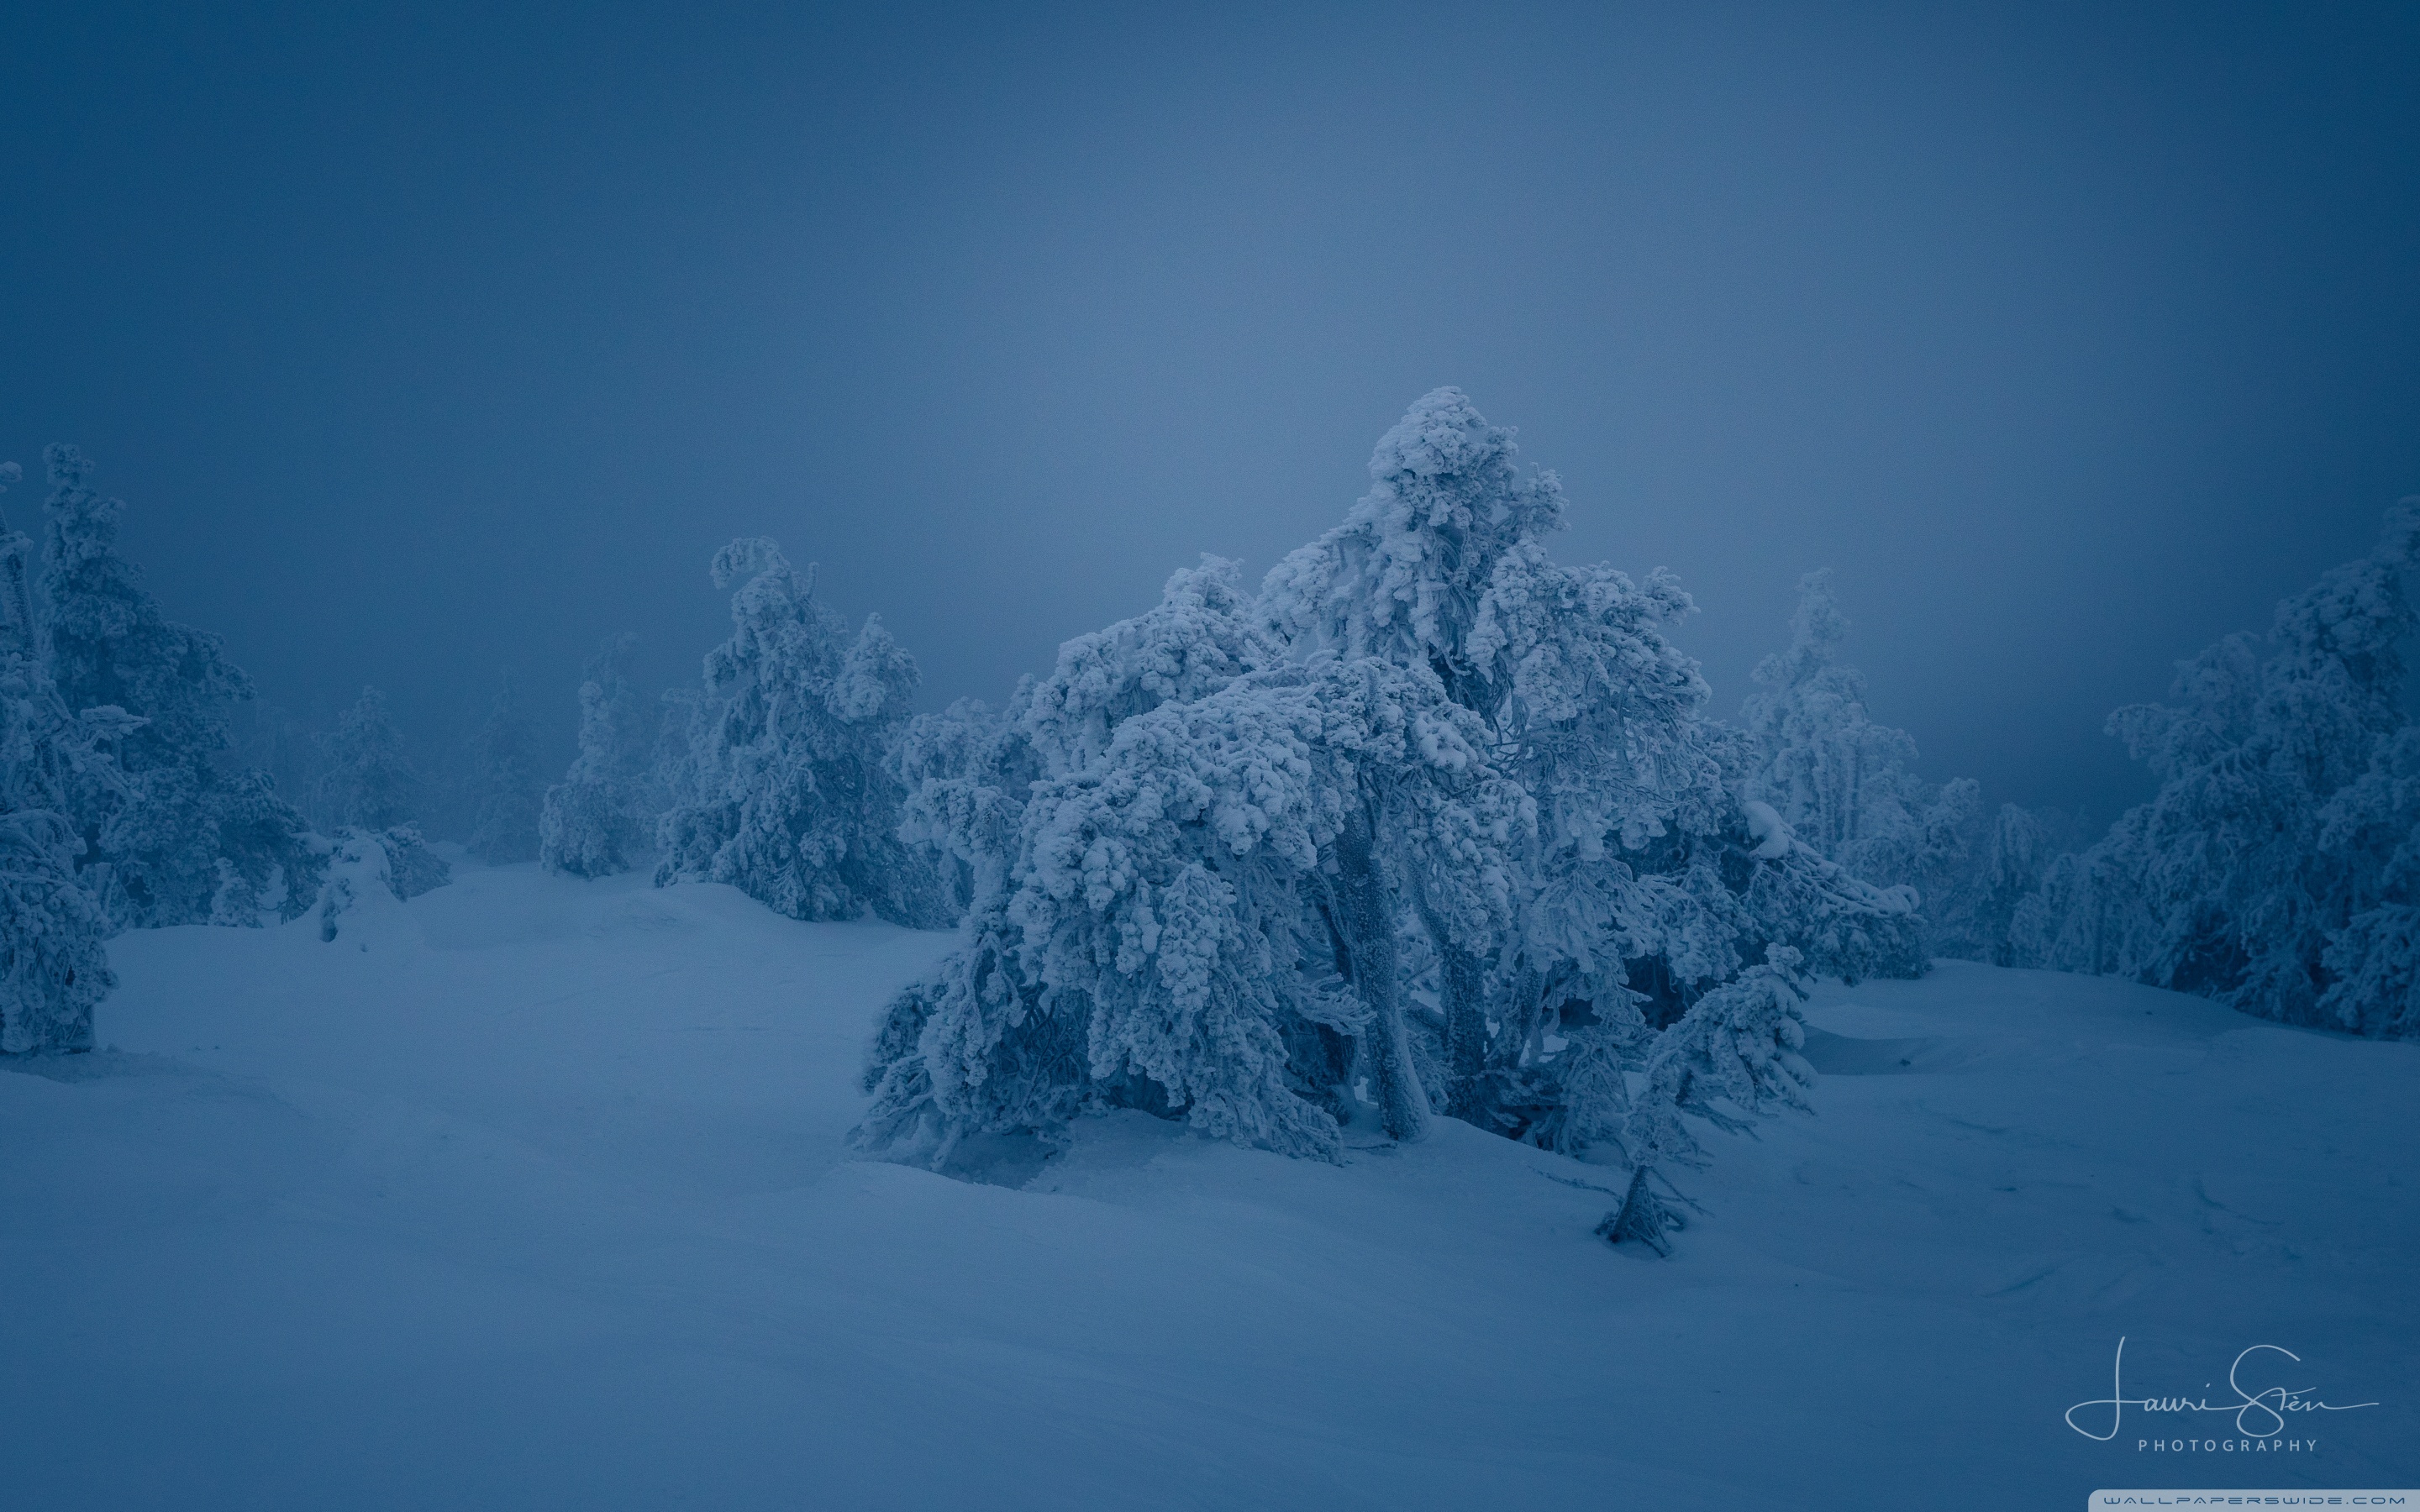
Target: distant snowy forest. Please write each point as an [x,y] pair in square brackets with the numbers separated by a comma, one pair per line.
[1427,825]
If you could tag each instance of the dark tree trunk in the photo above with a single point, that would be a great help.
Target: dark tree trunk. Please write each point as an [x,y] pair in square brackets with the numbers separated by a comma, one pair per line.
[1368,926]
[1462,980]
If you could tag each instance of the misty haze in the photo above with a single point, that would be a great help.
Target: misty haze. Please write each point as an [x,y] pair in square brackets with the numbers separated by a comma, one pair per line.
[1004,758]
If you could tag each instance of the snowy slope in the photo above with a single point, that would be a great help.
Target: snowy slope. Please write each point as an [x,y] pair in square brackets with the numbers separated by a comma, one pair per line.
[531,1195]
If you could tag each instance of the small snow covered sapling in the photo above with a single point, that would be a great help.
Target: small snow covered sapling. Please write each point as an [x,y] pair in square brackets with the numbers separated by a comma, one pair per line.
[369,872]
[1644,1217]
[1731,1059]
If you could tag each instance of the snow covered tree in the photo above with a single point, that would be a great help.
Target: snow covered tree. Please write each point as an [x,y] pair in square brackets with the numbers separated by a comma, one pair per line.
[369,874]
[1207,679]
[154,842]
[1733,1057]
[980,1047]
[1199,922]
[505,787]
[1226,854]
[1641,884]
[1841,926]
[53,967]
[965,772]
[1843,783]
[2371,828]
[369,792]
[1976,915]
[1405,579]
[598,818]
[792,793]
[2277,822]
[281,747]
[1401,579]
[368,781]
[1651,881]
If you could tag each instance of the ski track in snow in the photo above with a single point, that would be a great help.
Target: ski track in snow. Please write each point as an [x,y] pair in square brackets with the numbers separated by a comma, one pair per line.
[537,1199]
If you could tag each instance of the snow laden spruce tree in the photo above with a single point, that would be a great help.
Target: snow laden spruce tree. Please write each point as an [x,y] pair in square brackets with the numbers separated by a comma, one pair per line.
[52,965]
[787,790]
[174,837]
[1731,1059]
[1431,825]
[2273,869]
[597,819]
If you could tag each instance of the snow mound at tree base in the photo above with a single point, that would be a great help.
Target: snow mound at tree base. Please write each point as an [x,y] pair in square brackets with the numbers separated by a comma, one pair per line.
[547,1205]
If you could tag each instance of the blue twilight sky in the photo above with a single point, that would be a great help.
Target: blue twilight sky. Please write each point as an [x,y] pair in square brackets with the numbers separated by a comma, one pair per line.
[423,340]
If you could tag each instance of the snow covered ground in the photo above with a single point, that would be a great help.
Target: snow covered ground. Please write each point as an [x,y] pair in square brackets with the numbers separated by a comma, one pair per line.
[533,1196]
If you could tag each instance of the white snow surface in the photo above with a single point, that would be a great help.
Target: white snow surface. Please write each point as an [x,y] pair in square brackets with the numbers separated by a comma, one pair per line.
[537,1199]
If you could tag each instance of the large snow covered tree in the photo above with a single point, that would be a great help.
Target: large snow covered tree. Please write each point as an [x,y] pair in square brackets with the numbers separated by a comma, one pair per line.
[790,791]
[2268,869]
[1197,917]
[1643,882]
[1651,881]
[1432,823]
[983,1047]
[52,965]
[171,841]
[599,819]
[505,788]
